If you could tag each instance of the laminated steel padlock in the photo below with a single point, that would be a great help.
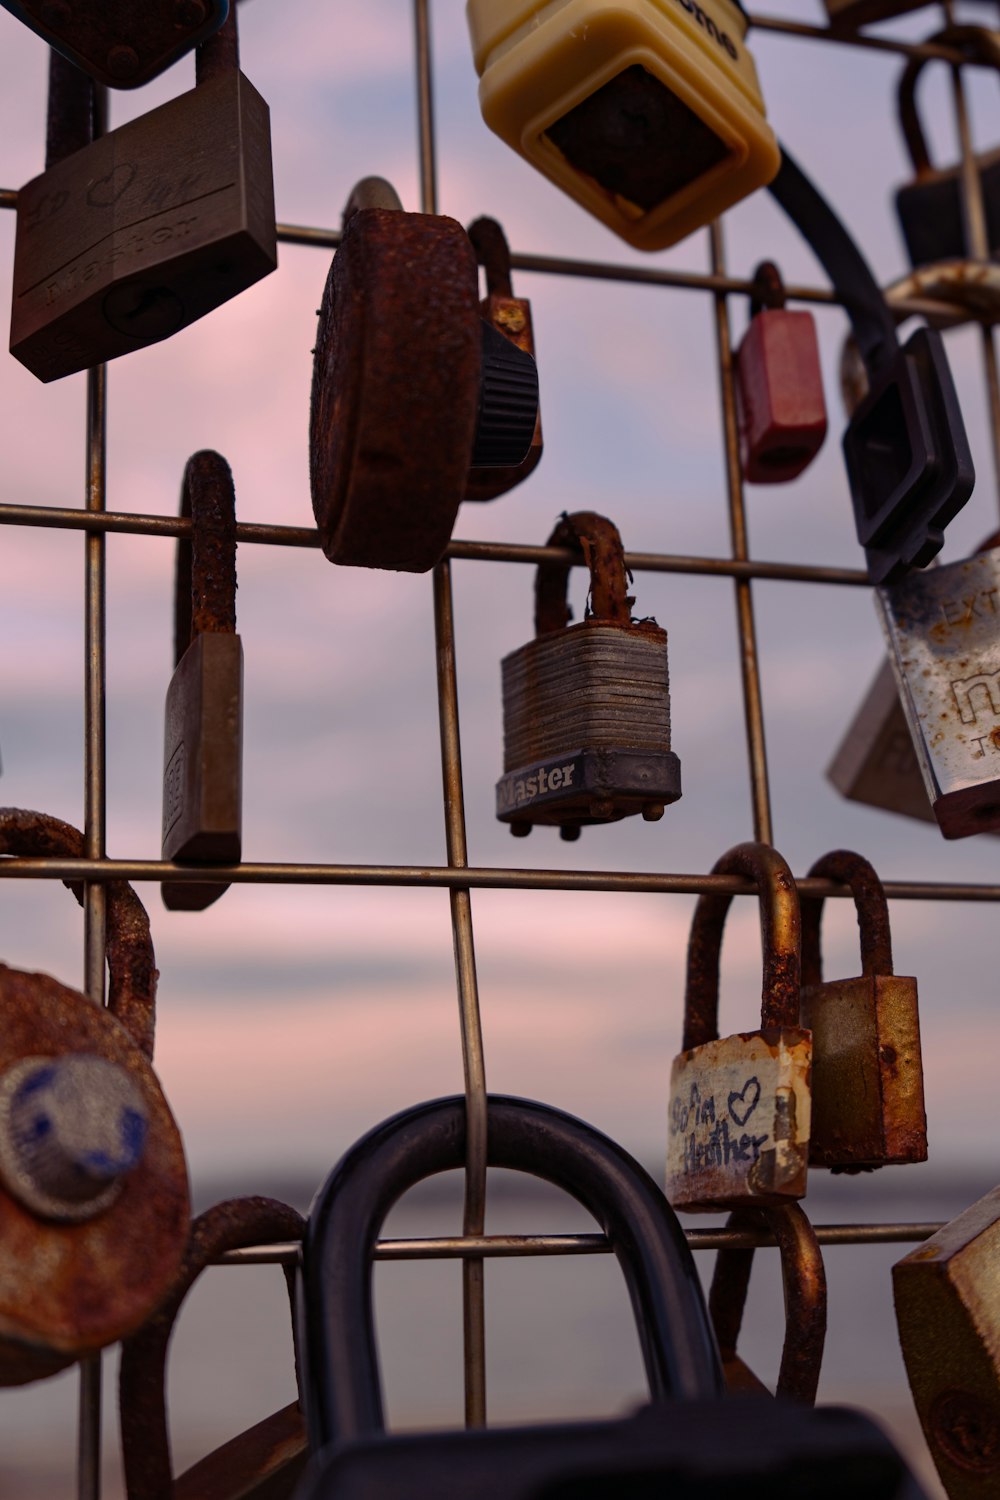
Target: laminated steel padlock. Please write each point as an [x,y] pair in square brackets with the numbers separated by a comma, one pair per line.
[586,707]
[93,1182]
[263,1463]
[930,208]
[780,407]
[949,1330]
[868,1080]
[119,43]
[405,402]
[203,721]
[655,125]
[510,316]
[740,1107]
[687,1442]
[803,1279]
[148,228]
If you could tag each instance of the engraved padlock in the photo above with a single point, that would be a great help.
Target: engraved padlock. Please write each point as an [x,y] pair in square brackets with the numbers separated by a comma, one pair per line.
[134,236]
[740,1106]
[586,707]
[93,1182]
[119,43]
[803,1279]
[510,316]
[262,1463]
[868,1080]
[780,406]
[949,1330]
[655,125]
[405,402]
[203,720]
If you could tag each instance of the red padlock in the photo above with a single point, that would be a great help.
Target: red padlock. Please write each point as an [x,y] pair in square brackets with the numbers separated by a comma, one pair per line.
[780,408]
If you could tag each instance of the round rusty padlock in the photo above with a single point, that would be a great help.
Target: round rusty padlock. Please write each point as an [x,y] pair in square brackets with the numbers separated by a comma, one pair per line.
[804,1281]
[93,1182]
[263,1463]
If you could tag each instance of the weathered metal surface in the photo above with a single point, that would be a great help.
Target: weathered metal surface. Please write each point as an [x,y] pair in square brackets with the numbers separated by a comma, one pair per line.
[875,762]
[119,43]
[947,1296]
[264,1463]
[395,389]
[780,406]
[804,1281]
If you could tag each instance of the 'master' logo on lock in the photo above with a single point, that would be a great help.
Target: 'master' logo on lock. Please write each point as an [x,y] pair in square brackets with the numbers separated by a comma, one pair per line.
[711,27]
[536,783]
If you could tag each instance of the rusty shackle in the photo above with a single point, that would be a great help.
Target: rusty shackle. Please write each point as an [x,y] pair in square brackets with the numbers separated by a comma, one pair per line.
[597,541]
[780,927]
[205,580]
[493,254]
[848,868]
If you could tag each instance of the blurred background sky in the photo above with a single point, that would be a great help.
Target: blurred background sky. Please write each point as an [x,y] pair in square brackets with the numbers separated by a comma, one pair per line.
[291,1019]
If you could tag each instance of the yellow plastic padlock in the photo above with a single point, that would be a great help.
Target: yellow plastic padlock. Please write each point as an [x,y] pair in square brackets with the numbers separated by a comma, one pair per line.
[647,112]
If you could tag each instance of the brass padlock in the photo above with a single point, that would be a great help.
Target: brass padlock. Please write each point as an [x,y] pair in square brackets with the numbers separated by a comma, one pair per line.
[510,316]
[148,228]
[949,1330]
[586,708]
[119,43]
[803,1279]
[203,722]
[263,1463]
[740,1107]
[868,1080]
[93,1182]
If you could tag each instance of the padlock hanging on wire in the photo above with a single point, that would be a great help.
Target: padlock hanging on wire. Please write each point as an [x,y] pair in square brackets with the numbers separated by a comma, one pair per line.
[117,42]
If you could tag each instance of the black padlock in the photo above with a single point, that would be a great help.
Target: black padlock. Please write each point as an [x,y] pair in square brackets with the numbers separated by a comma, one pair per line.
[686,1441]
[119,43]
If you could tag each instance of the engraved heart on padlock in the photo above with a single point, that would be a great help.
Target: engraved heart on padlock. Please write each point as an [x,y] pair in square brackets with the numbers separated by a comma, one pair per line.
[748,1108]
[105,191]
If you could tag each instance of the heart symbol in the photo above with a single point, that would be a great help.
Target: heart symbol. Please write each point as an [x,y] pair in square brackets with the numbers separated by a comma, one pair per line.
[105,191]
[744,1106]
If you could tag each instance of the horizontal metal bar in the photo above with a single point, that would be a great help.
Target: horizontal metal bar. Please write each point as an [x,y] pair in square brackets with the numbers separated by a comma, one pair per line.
[505,1246]
[845,38]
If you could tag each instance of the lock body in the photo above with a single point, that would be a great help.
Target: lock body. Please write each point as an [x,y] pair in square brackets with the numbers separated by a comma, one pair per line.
[781,410]
[941,627]
[144,231]
[930,212]
[655,124]
[875,762]
[121,44]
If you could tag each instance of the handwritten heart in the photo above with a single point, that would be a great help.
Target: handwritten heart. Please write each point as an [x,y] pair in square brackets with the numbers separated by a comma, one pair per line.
[740,1106]
[105,191]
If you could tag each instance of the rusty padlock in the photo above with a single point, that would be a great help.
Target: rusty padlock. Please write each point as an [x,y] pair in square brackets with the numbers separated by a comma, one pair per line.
[868,1079]
[93,1182]
[949,1330]
[128,239]
[780,407]
[586,707]
[263,1463]
[510,316]
[410,387]
[803,1279]
[119,43]
[203,722]
[739,1117]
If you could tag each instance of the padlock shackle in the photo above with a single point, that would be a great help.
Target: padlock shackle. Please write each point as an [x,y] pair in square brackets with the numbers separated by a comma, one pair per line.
[803,1279]
[983,46]
[132,971]
[493,254]
[780,929]
[340,1376]
[848,868]
[74,115]
[205,579]
[233,1225]
[220,53]
[372,192]
[769,288]
[597,540]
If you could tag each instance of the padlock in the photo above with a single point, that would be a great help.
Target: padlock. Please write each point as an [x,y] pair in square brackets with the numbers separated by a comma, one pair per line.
[949,1330]
[803,1279]
[148,228]
[875,762]
[687,1442]
[119,43]
[405,400]
[263,1463]
[203,722]
[930,209]
[93,1182]
[868,1079]
[586,708]
[780,408]
[739,1116]
[655,126]
[510,316]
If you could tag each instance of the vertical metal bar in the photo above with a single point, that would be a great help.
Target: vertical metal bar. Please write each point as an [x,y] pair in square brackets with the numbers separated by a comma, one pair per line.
[425,107]
[749,660]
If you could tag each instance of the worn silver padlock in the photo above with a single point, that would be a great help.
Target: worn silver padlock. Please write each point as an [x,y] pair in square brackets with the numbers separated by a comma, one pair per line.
[875,762]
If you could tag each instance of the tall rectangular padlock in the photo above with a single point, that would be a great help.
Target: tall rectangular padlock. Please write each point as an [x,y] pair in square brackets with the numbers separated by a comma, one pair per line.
[148,228]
